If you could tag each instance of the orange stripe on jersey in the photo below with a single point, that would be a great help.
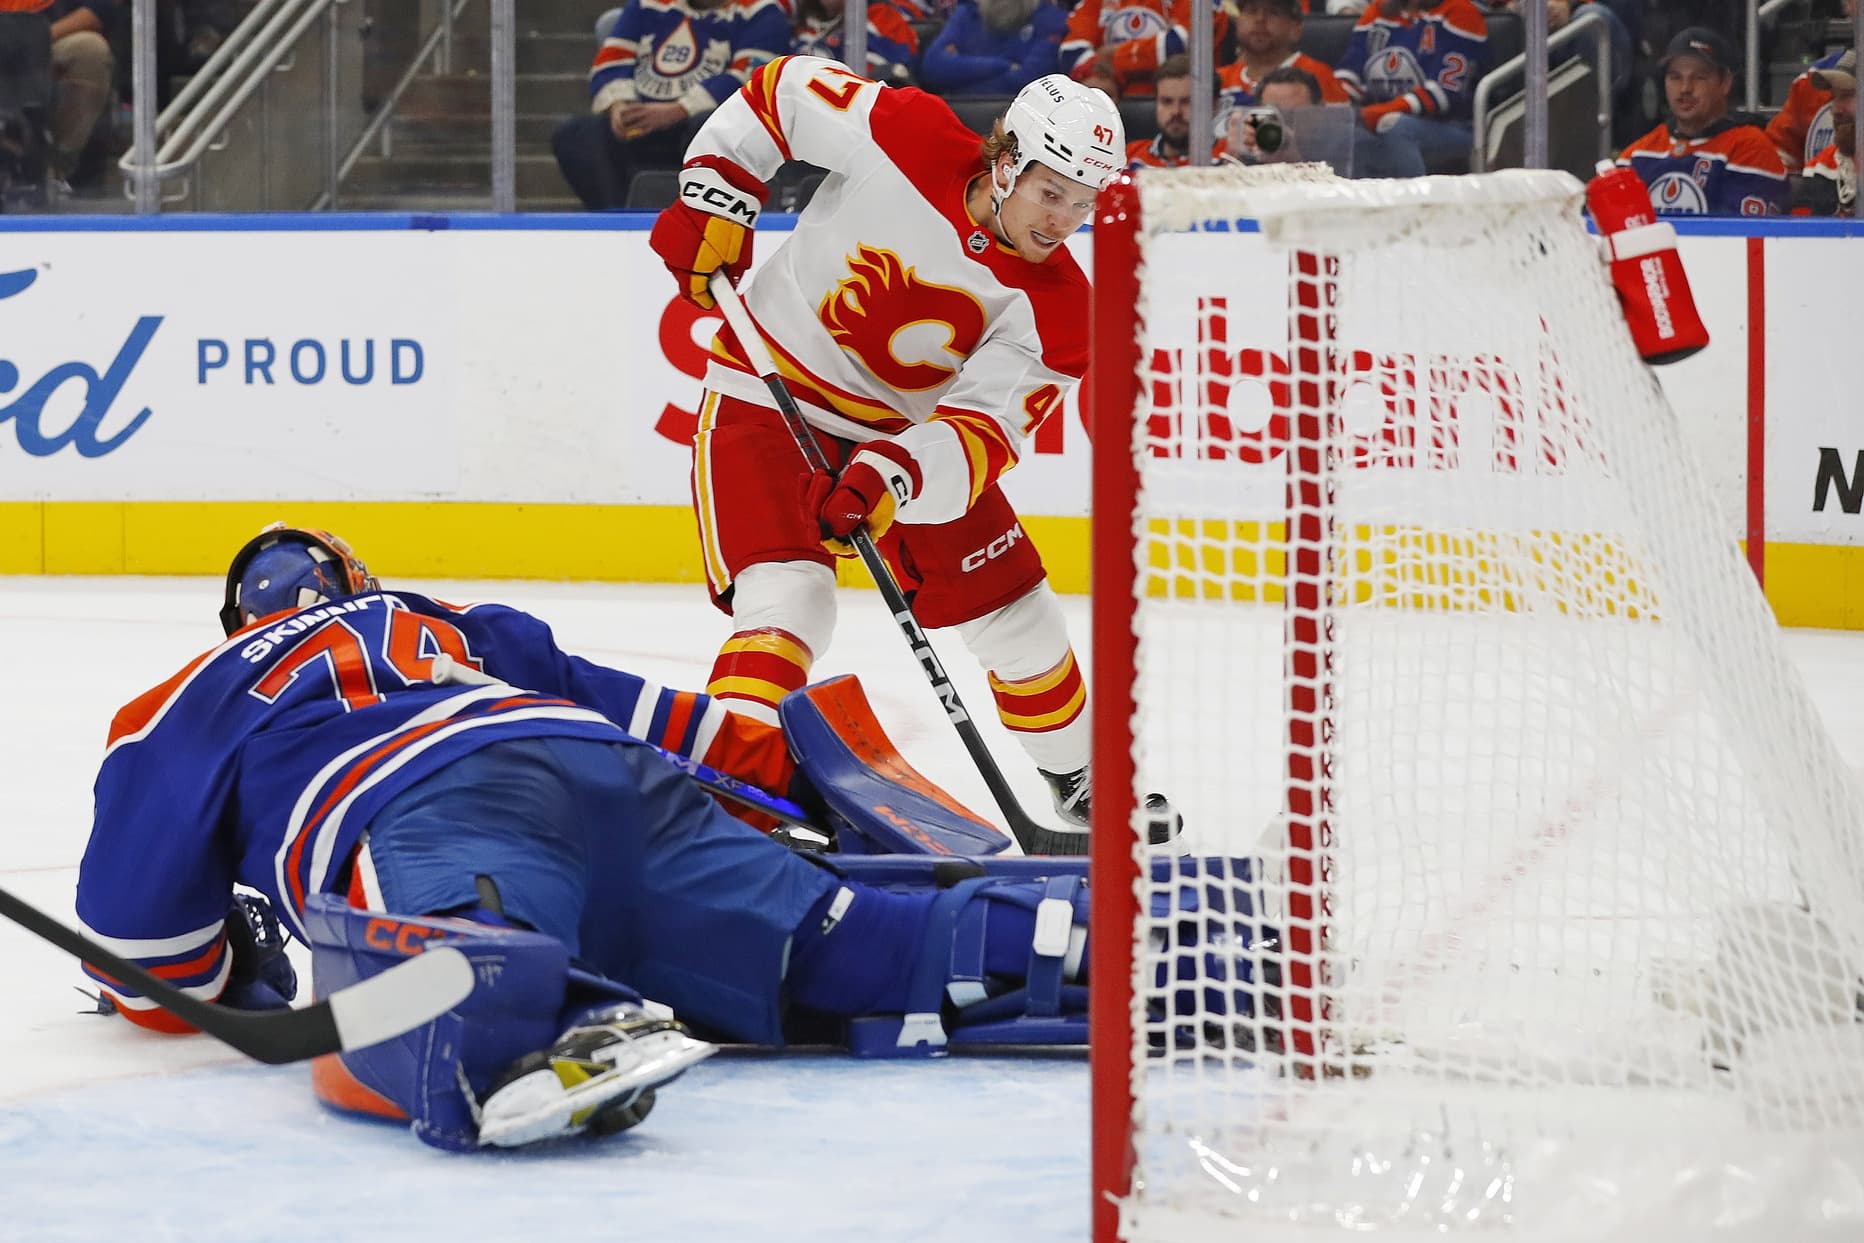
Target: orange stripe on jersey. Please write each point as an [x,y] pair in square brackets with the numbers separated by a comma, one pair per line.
[612,55]
[157,1020]
[986,448]
[1046,702]
[139,711]
[679,715]
[761,93]
[862,410]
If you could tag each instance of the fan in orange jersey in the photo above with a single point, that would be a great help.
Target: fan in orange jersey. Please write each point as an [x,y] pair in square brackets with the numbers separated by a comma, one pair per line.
[927,317]
[1118,45]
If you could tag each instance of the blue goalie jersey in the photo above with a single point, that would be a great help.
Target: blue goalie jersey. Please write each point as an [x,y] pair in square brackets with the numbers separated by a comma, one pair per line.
[262,761]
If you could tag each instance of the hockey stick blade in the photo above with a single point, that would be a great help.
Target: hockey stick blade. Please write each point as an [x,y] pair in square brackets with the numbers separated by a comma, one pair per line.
[1032,837]
[384,1006]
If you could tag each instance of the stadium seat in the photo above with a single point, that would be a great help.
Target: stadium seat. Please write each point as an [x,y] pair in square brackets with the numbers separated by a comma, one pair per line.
[1324,37]
[978,111]
[653,188]
[1140,117]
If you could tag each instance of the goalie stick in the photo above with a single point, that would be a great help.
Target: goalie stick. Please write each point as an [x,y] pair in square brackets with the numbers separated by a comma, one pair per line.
[1032,837]
[377,1009]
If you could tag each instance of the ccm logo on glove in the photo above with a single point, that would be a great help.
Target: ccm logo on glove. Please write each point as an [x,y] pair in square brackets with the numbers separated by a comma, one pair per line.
[709,228]
[878,479]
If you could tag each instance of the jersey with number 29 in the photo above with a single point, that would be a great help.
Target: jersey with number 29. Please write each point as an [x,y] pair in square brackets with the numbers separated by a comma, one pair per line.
[890,310]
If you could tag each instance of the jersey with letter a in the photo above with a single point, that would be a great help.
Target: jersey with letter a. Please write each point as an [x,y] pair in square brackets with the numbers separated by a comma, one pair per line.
[262,760]
[890,311]
[1731,170]
[1421,61]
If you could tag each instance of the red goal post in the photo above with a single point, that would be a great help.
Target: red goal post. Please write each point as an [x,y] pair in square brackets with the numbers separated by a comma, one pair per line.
[1541,888]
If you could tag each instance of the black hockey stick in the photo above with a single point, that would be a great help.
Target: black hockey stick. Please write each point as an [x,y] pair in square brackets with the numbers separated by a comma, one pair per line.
[1032,837]
[379,1008]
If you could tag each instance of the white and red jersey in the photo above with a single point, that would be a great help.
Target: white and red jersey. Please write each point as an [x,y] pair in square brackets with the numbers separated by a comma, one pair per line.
[891,311]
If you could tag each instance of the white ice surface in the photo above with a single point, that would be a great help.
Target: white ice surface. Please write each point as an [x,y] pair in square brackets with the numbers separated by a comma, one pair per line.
[108,1132]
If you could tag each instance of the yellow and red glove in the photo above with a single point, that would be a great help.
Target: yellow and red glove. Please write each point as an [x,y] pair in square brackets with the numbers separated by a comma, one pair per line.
[879,478]
[709,226]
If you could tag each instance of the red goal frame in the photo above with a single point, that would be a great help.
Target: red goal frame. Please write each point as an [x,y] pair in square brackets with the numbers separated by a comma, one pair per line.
[1114,418]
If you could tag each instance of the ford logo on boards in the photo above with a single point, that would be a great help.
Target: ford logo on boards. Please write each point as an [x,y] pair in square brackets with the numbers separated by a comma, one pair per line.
[27,411]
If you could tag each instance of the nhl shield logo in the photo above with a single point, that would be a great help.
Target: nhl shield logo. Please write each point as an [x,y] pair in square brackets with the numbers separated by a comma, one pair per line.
[978,242]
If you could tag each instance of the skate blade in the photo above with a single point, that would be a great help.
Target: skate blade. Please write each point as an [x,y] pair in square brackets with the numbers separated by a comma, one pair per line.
[539,1107]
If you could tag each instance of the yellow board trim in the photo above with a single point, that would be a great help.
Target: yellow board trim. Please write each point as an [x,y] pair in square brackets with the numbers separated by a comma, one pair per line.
[1814,585]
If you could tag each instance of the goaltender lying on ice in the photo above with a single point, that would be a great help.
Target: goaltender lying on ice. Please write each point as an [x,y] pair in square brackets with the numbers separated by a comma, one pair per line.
[378,771]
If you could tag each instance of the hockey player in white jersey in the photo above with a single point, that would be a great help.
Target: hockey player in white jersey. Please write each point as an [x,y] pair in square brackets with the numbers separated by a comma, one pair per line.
[927,317]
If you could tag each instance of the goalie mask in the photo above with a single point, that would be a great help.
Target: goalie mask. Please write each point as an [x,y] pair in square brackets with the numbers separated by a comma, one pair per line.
[285,568]
[1071,128]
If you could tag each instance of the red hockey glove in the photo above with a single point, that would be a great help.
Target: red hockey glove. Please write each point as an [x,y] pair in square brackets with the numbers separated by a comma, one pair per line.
[709,227]
[879,478]
[1647,271]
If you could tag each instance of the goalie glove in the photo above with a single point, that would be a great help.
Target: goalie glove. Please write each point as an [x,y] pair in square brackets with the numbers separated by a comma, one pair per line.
[709,226]
[1647,272]
[878,479]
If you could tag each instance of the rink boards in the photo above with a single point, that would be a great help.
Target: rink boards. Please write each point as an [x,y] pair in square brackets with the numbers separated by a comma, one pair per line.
[514,397]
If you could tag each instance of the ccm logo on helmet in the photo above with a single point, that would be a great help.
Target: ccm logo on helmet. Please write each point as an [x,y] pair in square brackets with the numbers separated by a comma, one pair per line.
[991,551]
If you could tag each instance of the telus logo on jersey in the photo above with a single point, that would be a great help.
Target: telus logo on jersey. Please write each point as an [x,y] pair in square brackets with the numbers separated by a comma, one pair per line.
[877,309]
[27,411]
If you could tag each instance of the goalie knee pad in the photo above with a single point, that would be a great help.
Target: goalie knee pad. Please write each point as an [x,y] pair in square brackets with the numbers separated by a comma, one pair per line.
[525,994]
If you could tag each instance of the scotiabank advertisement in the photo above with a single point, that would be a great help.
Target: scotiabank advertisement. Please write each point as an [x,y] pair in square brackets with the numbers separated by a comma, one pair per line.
[349,361]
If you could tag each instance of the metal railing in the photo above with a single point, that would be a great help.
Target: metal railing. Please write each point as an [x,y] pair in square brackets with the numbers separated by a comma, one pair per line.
[235,136]
[1511,73]
[438,49]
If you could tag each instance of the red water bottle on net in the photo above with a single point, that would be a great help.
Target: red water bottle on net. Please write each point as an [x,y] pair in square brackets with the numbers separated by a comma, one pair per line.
[1647,271]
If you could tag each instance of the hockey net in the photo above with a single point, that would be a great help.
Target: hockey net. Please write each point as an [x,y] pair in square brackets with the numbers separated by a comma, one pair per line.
[1484,738]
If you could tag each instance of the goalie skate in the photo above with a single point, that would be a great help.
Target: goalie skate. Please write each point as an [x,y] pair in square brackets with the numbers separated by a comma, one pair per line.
[598,1077]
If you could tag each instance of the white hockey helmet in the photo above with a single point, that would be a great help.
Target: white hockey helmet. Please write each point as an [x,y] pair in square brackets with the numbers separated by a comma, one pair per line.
[1071,128]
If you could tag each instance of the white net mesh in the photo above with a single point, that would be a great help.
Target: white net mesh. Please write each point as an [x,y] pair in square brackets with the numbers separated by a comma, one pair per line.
[1435,615]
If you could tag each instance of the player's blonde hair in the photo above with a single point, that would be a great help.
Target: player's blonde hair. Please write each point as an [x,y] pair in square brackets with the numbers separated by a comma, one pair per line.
[999,142]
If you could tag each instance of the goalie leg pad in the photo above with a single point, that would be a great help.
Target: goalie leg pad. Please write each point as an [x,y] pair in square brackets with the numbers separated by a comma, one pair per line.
[997,960]
[524,992]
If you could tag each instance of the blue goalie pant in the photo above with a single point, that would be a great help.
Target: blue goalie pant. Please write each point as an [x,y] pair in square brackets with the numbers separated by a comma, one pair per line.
[604,864]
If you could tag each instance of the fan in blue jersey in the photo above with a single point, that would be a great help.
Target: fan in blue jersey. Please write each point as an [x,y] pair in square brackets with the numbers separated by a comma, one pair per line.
[386,769]
[1413,66]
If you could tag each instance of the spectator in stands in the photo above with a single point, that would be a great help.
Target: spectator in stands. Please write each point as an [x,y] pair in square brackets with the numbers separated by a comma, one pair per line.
[1118,45]
[1803,126]
[1268,35]
[1412,67]
[1285,88]
[892,47]
[1171,108]
[663,67]
[994,47]
[1829,186]
[1703,161]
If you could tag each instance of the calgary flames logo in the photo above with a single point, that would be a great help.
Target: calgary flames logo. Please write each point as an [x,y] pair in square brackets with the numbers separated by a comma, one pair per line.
[879,300]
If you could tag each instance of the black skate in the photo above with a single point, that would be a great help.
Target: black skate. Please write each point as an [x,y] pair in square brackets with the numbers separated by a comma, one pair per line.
[1073,796]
